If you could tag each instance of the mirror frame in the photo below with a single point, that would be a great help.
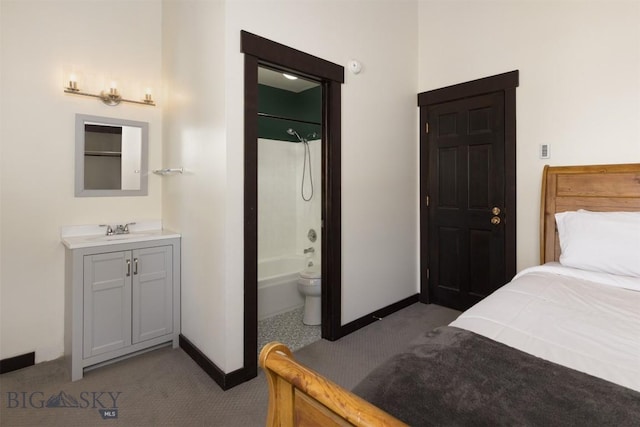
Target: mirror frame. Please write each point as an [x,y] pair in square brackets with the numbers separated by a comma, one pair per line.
[80,191]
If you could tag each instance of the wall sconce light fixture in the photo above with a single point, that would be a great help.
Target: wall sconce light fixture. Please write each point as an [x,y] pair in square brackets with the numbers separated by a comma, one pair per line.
[111,97]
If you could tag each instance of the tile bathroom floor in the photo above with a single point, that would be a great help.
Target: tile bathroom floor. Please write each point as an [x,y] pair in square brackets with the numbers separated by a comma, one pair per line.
[288,329]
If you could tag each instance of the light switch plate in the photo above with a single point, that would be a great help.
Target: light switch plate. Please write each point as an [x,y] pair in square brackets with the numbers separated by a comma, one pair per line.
[545,151]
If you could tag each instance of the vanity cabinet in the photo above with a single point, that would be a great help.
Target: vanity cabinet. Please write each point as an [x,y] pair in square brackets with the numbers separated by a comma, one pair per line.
[124,299]
[127,298]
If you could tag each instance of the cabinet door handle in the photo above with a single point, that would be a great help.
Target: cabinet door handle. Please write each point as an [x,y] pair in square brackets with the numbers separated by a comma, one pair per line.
[128,267]
[135,266]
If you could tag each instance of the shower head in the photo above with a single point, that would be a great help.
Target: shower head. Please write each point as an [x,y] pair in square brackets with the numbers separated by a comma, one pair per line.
[294,133]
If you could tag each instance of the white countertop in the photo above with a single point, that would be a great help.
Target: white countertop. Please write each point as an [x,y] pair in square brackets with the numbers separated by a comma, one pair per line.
[86,236]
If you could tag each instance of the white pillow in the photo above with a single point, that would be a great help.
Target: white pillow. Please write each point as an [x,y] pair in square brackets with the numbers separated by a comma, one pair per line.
[608,242]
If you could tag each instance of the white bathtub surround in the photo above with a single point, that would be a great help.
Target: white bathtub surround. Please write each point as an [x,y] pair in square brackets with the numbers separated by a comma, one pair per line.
[278,190]
[284,219]
[278,285]
[308,214]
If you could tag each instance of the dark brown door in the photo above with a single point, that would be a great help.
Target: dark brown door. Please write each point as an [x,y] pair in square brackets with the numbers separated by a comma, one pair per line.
[467,189]
[466,199]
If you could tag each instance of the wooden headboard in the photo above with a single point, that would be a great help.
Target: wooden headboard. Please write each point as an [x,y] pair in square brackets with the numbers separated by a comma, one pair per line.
[603,188]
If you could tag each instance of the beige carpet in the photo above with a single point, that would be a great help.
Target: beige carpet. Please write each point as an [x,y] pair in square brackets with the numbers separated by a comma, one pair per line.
[166,388]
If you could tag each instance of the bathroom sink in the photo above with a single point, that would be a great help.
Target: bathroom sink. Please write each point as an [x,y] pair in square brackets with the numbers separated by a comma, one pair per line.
[101,239]
[87,236]
[118,237]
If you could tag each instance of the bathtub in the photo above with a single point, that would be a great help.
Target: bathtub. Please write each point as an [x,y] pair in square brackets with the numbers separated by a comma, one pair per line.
[278,285]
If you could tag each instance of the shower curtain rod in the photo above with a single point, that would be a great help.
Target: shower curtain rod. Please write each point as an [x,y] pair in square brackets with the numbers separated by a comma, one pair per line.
[271,116]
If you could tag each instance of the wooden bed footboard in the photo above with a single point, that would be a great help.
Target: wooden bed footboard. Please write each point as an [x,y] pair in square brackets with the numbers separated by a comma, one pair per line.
[299,396]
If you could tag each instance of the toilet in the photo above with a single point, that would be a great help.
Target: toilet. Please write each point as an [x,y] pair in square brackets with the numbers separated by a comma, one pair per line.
[309,285]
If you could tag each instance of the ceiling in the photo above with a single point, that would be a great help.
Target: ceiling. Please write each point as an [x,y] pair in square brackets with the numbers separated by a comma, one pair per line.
[276,79]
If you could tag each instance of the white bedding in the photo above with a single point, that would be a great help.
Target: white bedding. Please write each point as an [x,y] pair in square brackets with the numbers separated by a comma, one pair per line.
[583,320]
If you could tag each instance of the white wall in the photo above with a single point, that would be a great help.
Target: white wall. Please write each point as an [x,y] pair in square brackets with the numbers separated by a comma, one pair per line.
[579,90]
[379,173]
[195,138]
[379,184]
[378,129]
[196,46]
[40,40]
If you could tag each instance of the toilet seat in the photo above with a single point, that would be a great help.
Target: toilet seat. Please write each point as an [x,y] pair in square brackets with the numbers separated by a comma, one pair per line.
[311,274]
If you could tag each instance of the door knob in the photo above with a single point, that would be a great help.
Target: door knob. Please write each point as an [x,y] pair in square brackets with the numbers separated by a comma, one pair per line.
[495,220]
[496,210]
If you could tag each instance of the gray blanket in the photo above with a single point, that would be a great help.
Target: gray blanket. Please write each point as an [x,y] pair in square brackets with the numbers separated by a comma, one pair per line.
[453,377]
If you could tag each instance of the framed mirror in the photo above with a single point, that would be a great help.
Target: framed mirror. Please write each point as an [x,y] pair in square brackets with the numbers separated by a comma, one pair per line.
[111,157]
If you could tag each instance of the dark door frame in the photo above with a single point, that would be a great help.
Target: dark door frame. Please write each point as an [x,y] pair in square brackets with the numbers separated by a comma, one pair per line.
[261,51]
[506,83]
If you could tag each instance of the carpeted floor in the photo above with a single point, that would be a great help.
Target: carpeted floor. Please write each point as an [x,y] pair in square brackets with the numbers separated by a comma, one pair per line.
[166,388]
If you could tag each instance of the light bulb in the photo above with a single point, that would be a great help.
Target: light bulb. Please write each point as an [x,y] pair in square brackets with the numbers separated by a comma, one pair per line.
[73,81]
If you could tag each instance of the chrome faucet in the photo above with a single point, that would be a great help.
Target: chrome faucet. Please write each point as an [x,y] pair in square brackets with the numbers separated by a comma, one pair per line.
[120,229]
[310,250]
[109,229]
[123,229]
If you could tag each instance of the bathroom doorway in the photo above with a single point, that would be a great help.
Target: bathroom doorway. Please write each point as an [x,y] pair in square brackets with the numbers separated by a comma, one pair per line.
[289,208]
[259,52]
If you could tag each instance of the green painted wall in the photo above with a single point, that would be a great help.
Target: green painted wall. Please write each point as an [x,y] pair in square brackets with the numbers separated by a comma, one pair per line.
[306,105]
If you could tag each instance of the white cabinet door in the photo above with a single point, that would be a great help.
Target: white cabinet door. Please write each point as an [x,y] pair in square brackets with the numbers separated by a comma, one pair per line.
[107,302]
[152,292]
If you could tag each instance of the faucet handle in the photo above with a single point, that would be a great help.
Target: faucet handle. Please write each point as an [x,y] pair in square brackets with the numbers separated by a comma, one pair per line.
[126,227]
[109,229]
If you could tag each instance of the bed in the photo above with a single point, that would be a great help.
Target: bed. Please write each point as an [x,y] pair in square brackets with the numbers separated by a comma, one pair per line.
[558,345]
